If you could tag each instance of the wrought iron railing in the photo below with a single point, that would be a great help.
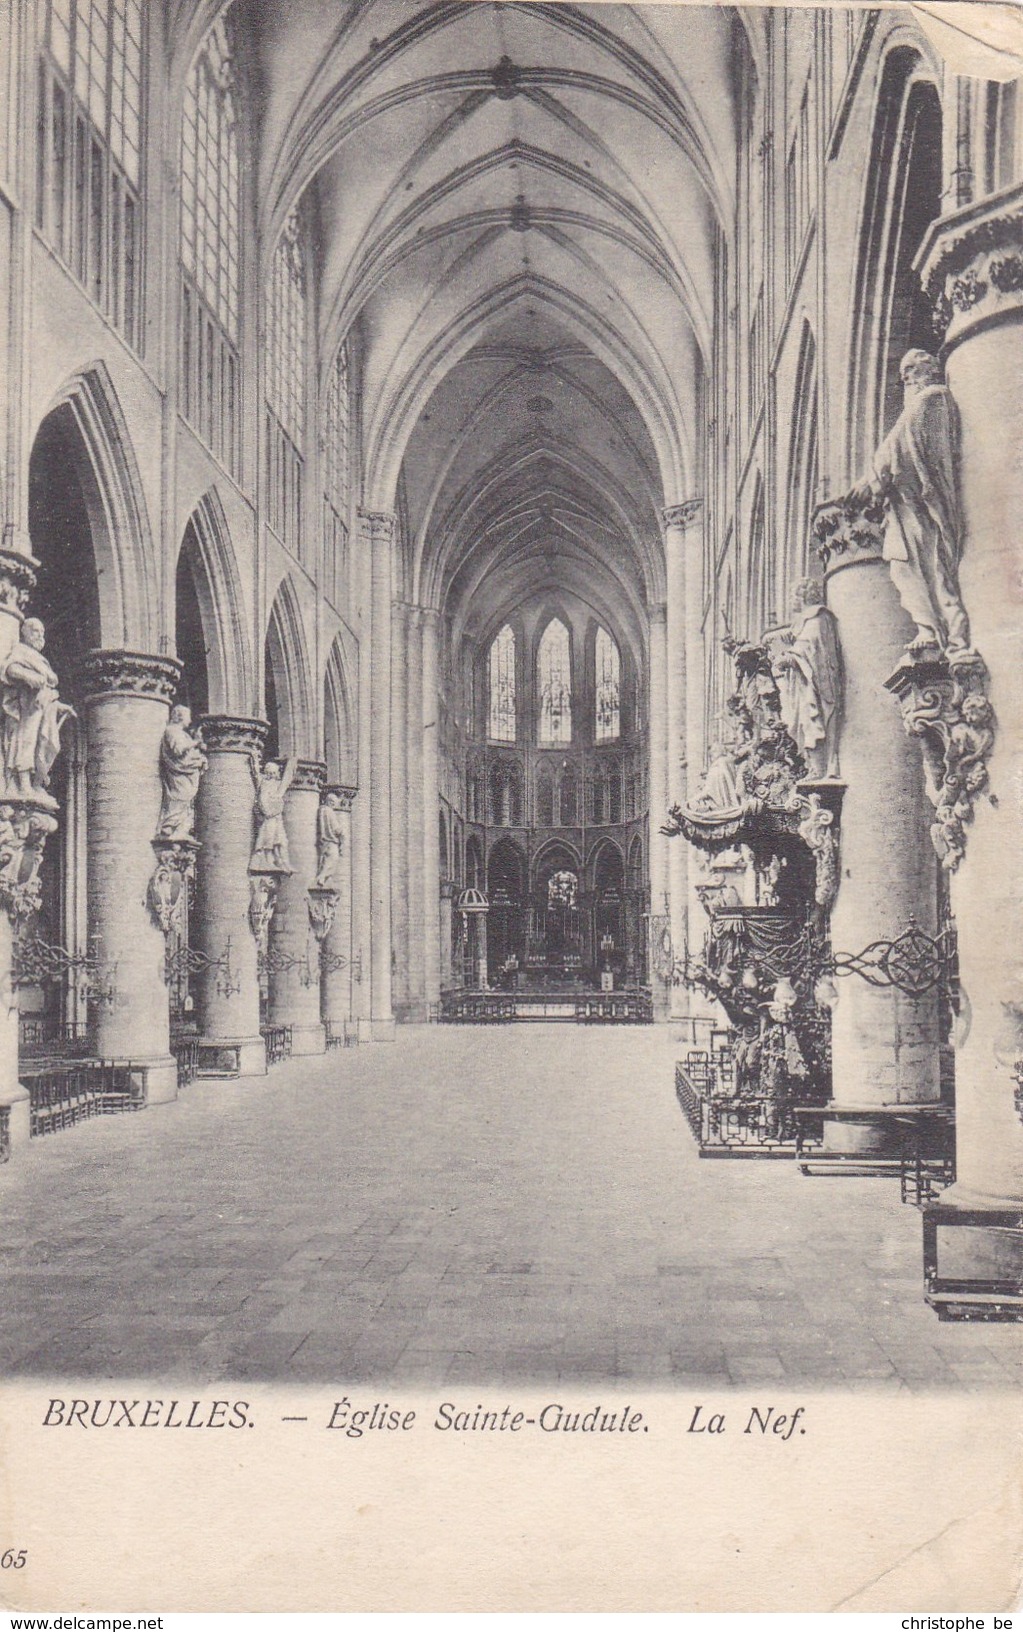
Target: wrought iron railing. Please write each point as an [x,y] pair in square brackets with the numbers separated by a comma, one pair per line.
[727,1123]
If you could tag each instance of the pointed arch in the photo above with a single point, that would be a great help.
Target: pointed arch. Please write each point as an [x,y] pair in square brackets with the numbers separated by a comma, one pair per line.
[340,722]
[506,871]
[903,196]
[107,469]
[289,687]
[207,550]
[554,856]
[606,866]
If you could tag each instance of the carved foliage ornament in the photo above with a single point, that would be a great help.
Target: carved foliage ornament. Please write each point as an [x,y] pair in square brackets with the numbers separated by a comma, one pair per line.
[848,526]
[980,263]
[131,674]
[17,580]
[224,734]
[682,515]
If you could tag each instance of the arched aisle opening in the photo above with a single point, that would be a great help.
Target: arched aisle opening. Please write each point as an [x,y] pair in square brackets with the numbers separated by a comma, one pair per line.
[66,599]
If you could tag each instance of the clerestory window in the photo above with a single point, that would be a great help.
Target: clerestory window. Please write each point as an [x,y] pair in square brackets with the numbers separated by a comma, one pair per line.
[285,384]
[211,246]
[89,149]
[554,684]
[608,688]
[501,722]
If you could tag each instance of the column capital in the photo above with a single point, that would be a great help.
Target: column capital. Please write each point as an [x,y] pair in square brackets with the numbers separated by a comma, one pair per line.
[130,674]
[231,734]
[848,529]
[657,612]
[310,776]
[17,580]
[430,616]
[379,524]
[971,266]
[682,515]
[346,795]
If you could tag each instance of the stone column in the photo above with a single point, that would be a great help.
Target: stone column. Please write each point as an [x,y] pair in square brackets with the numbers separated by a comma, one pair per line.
[17,579]
[448,892]
[972,264]
[681,537]
[293,952]
[418,923]
[362,912]
[230,1043]
[28,823]
[885,1042]
[400,928]
[127,697]
[436,920]
[336,977]
[377,530]
[658,791]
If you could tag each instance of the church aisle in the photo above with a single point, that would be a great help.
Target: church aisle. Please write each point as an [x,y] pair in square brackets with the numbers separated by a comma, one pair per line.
[475,1205]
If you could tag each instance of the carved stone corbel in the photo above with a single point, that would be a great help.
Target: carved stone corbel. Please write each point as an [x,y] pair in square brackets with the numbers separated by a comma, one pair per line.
[263,889]
[947,707]
[24,829]
[817,831]
[322,902]
[169,885]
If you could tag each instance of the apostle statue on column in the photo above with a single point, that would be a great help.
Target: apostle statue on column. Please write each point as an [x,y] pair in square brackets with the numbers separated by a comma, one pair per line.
[330,827]
[271,853]
[807,665]
[32,716]
[182,763]
[916,469]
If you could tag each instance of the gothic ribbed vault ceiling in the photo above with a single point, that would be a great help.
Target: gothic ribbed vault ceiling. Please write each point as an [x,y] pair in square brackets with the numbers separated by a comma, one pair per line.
[516,205]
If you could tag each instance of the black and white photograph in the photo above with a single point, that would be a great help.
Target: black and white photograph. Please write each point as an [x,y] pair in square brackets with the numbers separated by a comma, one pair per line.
[511,796]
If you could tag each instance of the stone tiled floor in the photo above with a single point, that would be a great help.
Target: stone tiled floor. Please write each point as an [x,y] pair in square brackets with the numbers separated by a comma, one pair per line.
[483,1205]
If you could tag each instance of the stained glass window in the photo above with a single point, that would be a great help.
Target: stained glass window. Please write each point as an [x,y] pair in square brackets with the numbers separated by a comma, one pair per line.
[501,726]
[608,690]
[554,684]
